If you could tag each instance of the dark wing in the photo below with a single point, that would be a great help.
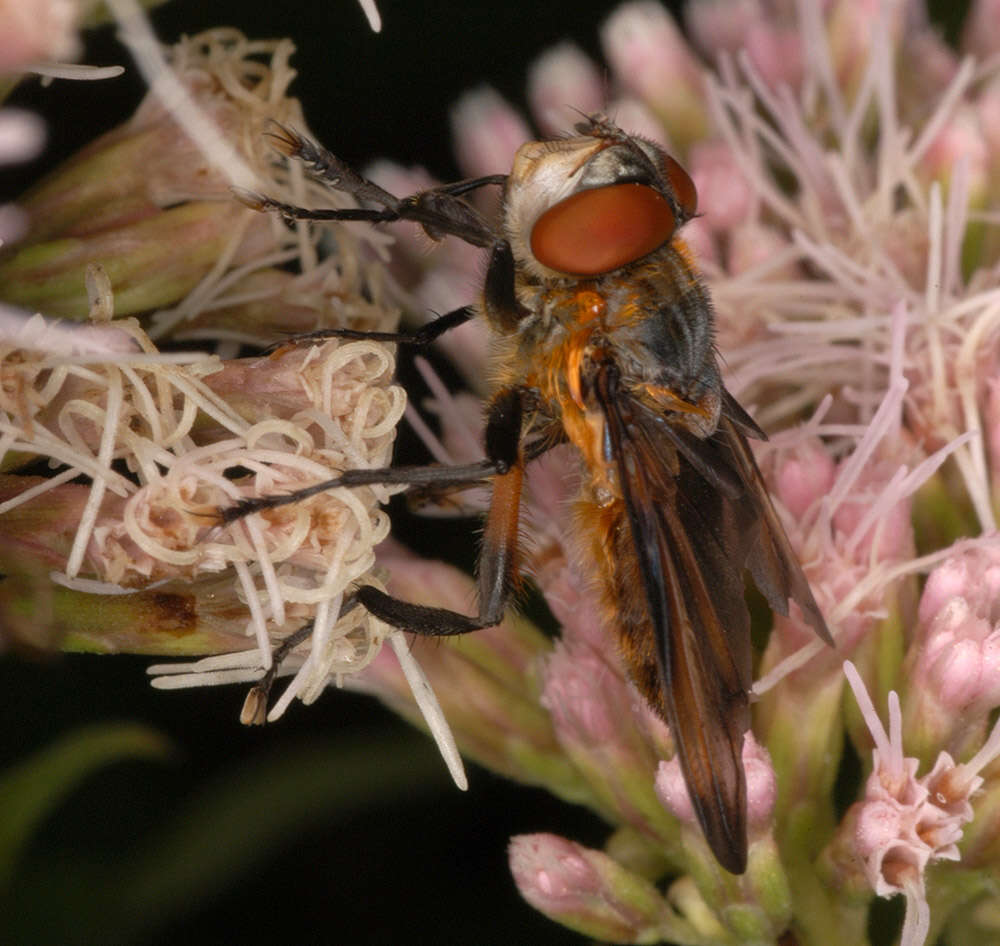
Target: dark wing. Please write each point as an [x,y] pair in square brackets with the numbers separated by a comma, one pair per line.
[773,563]
[691,541]
[699,516]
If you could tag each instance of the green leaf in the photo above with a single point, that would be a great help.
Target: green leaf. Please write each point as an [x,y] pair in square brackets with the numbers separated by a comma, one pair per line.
[31,789]
[211,840]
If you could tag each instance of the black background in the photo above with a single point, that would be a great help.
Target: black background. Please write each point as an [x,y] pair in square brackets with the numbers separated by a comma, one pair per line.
[365,95]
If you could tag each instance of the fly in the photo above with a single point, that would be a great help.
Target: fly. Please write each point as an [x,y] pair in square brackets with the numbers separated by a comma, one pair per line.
[604,338]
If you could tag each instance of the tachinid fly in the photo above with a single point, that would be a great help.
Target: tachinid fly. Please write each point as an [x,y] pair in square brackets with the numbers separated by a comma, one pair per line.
[603,337]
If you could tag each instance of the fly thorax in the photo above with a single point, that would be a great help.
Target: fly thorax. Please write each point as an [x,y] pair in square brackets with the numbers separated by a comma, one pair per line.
[559,342]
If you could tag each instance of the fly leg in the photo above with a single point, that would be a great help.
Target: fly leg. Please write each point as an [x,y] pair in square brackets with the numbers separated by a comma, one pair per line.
[498,559]
[499,302]
[500,305]
[441,211]
[498,565]
[441,477]
[422,336]
[255,705]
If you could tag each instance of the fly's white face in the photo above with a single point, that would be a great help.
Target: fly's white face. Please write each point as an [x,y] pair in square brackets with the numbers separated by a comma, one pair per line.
[545,173]
[585,206]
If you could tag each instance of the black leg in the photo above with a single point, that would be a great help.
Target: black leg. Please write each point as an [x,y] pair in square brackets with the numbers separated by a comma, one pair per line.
[433,476]
[441,211]
[422,336]
[498,560]
[500,304]
[255,706]
[457,188]
[498,568]
[328,168]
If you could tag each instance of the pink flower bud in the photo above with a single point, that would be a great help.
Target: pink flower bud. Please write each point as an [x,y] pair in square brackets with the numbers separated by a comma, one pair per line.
[32,31]
[563,82]
[672,791]
[586,890]
[777,53]
[762,787]
[723,192]
[958,675]
[973,576]
[981,32]
[961,138]
[721,26]
[949,580]
[851,27]
[487,131]
[805,477]
[955,678]
[650,58]
[581,692]
[599,721]
[762,784]
[548,868]
[22,135]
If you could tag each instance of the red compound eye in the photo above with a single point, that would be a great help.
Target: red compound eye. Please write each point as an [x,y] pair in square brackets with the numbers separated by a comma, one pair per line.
[602,229]
[682,186]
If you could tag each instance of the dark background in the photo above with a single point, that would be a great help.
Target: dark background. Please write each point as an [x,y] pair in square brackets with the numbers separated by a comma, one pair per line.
[416,862]
[365,94]
[420,862]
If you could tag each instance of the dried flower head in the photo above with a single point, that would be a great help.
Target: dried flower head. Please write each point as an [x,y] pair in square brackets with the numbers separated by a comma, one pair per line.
[166,439]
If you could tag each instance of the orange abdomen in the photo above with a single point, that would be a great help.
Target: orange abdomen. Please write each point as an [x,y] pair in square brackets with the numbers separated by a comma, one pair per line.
[606,541]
